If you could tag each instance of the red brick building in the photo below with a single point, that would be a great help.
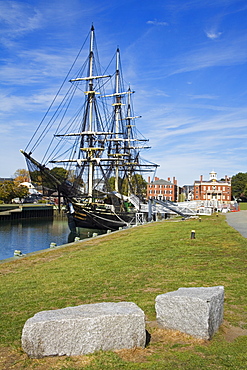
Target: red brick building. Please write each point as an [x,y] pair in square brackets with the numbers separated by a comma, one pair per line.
[213,189]
[162,189]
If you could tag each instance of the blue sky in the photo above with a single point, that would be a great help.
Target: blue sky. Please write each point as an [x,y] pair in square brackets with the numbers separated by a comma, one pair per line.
[186,60]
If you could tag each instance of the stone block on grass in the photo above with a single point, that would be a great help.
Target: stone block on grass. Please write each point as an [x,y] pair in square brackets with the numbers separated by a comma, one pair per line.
[194,311]
[84,329]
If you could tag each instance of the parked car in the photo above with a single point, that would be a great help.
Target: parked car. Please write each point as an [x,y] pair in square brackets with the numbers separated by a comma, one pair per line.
[33,198]
[16,201]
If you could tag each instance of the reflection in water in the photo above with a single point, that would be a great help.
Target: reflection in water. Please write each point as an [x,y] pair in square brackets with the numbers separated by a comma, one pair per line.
[33,235]
[72,236]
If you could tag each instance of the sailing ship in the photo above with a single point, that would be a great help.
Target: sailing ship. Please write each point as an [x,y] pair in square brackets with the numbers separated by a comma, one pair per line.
[93,161]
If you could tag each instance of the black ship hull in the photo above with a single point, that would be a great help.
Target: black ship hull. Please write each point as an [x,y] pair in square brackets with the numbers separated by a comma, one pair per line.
[93,217]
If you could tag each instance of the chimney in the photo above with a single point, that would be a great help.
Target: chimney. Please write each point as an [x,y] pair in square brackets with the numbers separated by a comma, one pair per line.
[174,180]
[201,177]
[156,179]
[168,178]
[149,179]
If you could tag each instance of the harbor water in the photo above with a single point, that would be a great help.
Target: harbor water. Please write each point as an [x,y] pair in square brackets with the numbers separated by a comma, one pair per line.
[34,235]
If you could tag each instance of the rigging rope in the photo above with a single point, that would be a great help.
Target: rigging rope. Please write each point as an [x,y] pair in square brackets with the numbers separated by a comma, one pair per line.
[54,99]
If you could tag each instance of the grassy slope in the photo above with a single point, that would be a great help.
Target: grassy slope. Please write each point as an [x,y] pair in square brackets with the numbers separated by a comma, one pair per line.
[133,265]
[243,206]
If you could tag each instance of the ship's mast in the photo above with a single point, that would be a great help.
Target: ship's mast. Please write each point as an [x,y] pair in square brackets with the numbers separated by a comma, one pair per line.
[117,107]
[91,96]
[129,130]
[92,151]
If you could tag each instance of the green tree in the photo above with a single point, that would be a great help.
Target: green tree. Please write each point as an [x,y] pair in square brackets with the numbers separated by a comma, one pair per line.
[60,173]
[40,178]
[239,185]
[135,185]
[10,190]
[139,184]
[36,177]
[21,175]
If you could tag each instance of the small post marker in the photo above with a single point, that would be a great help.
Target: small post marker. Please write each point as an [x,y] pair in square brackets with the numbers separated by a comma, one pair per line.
[200,219]
[18,253]
[193,234]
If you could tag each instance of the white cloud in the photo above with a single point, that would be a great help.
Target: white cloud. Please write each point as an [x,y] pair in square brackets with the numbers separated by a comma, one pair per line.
[17,18]
[203,96]
[11,103]
[227,53]
[184,134]
[157,23]
[36,67]
[213,35]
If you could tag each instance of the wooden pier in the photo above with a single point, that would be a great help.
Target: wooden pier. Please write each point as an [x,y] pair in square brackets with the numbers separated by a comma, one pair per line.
[25,211]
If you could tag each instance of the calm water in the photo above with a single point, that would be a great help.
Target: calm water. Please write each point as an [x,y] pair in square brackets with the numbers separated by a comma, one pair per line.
[33,235]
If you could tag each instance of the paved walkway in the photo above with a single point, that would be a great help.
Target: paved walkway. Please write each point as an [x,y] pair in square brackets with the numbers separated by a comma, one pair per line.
[238,220]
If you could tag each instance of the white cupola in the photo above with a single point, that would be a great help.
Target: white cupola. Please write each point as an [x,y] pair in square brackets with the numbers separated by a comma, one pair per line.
[213,176]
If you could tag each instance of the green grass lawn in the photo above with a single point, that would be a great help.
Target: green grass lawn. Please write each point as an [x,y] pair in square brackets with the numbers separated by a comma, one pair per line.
[243,206]
[133,265]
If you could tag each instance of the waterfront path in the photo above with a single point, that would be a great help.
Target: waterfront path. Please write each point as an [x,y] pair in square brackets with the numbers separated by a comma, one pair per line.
[238,220]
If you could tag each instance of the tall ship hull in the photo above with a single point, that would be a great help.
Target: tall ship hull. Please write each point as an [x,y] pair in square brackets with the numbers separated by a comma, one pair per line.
[99,218]
[93,162]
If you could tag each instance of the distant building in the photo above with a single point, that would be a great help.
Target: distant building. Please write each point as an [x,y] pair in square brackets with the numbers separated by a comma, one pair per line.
[163,189]
[2,179]
[31,188]
[213,189]
[188,191]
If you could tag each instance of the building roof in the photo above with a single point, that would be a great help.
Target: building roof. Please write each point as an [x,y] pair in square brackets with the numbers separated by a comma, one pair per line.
[27,184]
[213,182]
[2,179]
[161,182]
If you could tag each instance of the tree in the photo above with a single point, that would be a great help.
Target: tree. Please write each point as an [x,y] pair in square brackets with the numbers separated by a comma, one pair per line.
[60,173]
[10,190]
[139,184]
[21,175]
[239,185]
[42,178]
[136,185]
